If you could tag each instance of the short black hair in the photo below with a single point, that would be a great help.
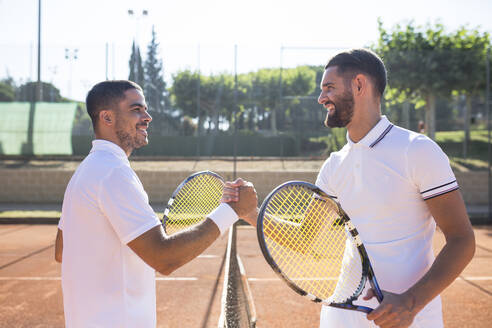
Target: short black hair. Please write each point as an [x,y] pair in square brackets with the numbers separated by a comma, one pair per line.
[105,95]
[357,61]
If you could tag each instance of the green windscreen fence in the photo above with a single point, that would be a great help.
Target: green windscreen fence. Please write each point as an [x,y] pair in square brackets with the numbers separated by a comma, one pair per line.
[51,128]
[14,123]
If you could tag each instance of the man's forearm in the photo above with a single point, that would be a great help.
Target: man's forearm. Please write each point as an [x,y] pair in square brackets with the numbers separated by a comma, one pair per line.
[448,265]
[186,245]
[59,246]
[167,253]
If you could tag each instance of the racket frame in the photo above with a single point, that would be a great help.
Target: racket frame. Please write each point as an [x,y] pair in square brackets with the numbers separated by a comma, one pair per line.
[178,189]
[367,271]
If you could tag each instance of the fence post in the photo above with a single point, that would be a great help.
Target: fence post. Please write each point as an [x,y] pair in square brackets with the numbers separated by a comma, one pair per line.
[487,109]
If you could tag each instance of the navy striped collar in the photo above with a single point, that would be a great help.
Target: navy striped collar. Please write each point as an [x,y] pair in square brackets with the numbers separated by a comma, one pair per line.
[377,133]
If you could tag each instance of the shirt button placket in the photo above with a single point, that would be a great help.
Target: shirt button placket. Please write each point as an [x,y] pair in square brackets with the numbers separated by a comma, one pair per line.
[358,171]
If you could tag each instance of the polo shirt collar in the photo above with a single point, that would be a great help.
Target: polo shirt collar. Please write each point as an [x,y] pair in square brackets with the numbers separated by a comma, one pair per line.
[377,133]
[105,145]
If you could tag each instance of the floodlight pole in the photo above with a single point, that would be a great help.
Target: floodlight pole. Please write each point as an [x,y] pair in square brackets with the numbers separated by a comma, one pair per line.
[235,111]
[37,94]
[280,102]
[106,60]
[487,110]
[39,89]
[71,55]
[198,106]
[137,16]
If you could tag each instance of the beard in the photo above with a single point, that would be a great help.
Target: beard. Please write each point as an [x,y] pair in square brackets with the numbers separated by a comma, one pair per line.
[129,142]
[342,112]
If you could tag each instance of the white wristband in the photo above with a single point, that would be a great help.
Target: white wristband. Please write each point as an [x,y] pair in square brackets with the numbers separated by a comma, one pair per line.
[223,216]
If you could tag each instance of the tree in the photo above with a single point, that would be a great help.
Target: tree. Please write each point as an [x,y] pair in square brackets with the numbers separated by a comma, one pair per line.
[267,83]
[27,92]
[216,97]
[295,82]
[183,93]
[469,58]
[189,127]
[7,90]
[136,68]
[420,64]
[257,97]
[154,85]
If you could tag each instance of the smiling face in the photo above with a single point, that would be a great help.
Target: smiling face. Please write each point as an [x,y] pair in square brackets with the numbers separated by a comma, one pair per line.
[336,96]
[132,121]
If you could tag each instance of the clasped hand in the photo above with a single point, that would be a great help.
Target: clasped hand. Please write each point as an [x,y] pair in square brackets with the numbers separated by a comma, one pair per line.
[241,196]
[396,310]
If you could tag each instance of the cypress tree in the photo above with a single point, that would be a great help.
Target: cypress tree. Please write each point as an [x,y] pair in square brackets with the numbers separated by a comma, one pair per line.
[155,86]
[136,68]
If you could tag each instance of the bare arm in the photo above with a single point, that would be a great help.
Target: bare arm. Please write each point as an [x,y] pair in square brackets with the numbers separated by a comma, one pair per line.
[450,214]
[167,253]
[59,246]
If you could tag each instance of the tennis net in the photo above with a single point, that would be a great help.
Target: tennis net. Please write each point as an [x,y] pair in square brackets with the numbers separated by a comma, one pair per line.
[237,310]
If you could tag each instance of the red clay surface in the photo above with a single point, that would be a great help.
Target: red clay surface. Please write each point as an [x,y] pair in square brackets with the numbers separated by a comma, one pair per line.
[30,286]
[30,289]
[466,303]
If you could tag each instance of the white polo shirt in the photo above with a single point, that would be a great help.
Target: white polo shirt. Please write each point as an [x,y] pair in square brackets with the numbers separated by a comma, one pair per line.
[382,183]
[105,284]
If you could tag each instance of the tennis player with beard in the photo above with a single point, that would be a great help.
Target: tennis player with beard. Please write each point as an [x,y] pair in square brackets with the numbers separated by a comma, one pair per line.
[109,239]
[396,185]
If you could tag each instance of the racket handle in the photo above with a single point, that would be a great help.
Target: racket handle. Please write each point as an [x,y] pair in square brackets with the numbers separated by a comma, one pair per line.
[377,290]
[364,309]
[353,307]
[379,295]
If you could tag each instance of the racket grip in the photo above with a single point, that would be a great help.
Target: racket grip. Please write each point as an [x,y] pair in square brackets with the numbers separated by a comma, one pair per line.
[379,295]
[364,309]
[377,290]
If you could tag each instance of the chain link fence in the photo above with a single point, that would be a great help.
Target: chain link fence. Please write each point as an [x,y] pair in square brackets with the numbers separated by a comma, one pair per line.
[239,101]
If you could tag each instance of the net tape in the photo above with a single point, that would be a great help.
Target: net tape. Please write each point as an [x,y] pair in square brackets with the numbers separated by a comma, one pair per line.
[238,309]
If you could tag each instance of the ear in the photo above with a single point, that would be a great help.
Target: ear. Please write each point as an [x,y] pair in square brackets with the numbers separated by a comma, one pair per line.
[106,117]
[360,84]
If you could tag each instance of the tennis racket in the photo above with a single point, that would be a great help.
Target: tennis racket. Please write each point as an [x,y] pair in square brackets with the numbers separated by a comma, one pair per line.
[311,244]
[191,202]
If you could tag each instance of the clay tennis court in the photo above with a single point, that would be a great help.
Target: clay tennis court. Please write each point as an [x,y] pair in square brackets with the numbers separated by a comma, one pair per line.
[30,286]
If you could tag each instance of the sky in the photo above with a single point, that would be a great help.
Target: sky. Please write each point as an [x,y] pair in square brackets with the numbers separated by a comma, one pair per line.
[202,34]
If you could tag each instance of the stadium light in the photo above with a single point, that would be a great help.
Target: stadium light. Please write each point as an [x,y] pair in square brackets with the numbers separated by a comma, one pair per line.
[71,55]
[134,14]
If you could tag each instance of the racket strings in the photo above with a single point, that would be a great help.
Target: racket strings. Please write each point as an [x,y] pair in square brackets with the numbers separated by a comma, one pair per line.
[196,199]
[306,239]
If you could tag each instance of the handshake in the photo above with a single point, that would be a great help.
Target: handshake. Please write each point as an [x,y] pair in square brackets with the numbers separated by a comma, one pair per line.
[242,198]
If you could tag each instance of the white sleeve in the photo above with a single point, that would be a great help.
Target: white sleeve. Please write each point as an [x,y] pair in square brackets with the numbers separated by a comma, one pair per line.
[429,168]
[126,205]
[324,178]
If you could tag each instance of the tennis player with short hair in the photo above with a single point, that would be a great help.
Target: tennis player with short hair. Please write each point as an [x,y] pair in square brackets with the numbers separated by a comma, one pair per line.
[395,185]
[109,238]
